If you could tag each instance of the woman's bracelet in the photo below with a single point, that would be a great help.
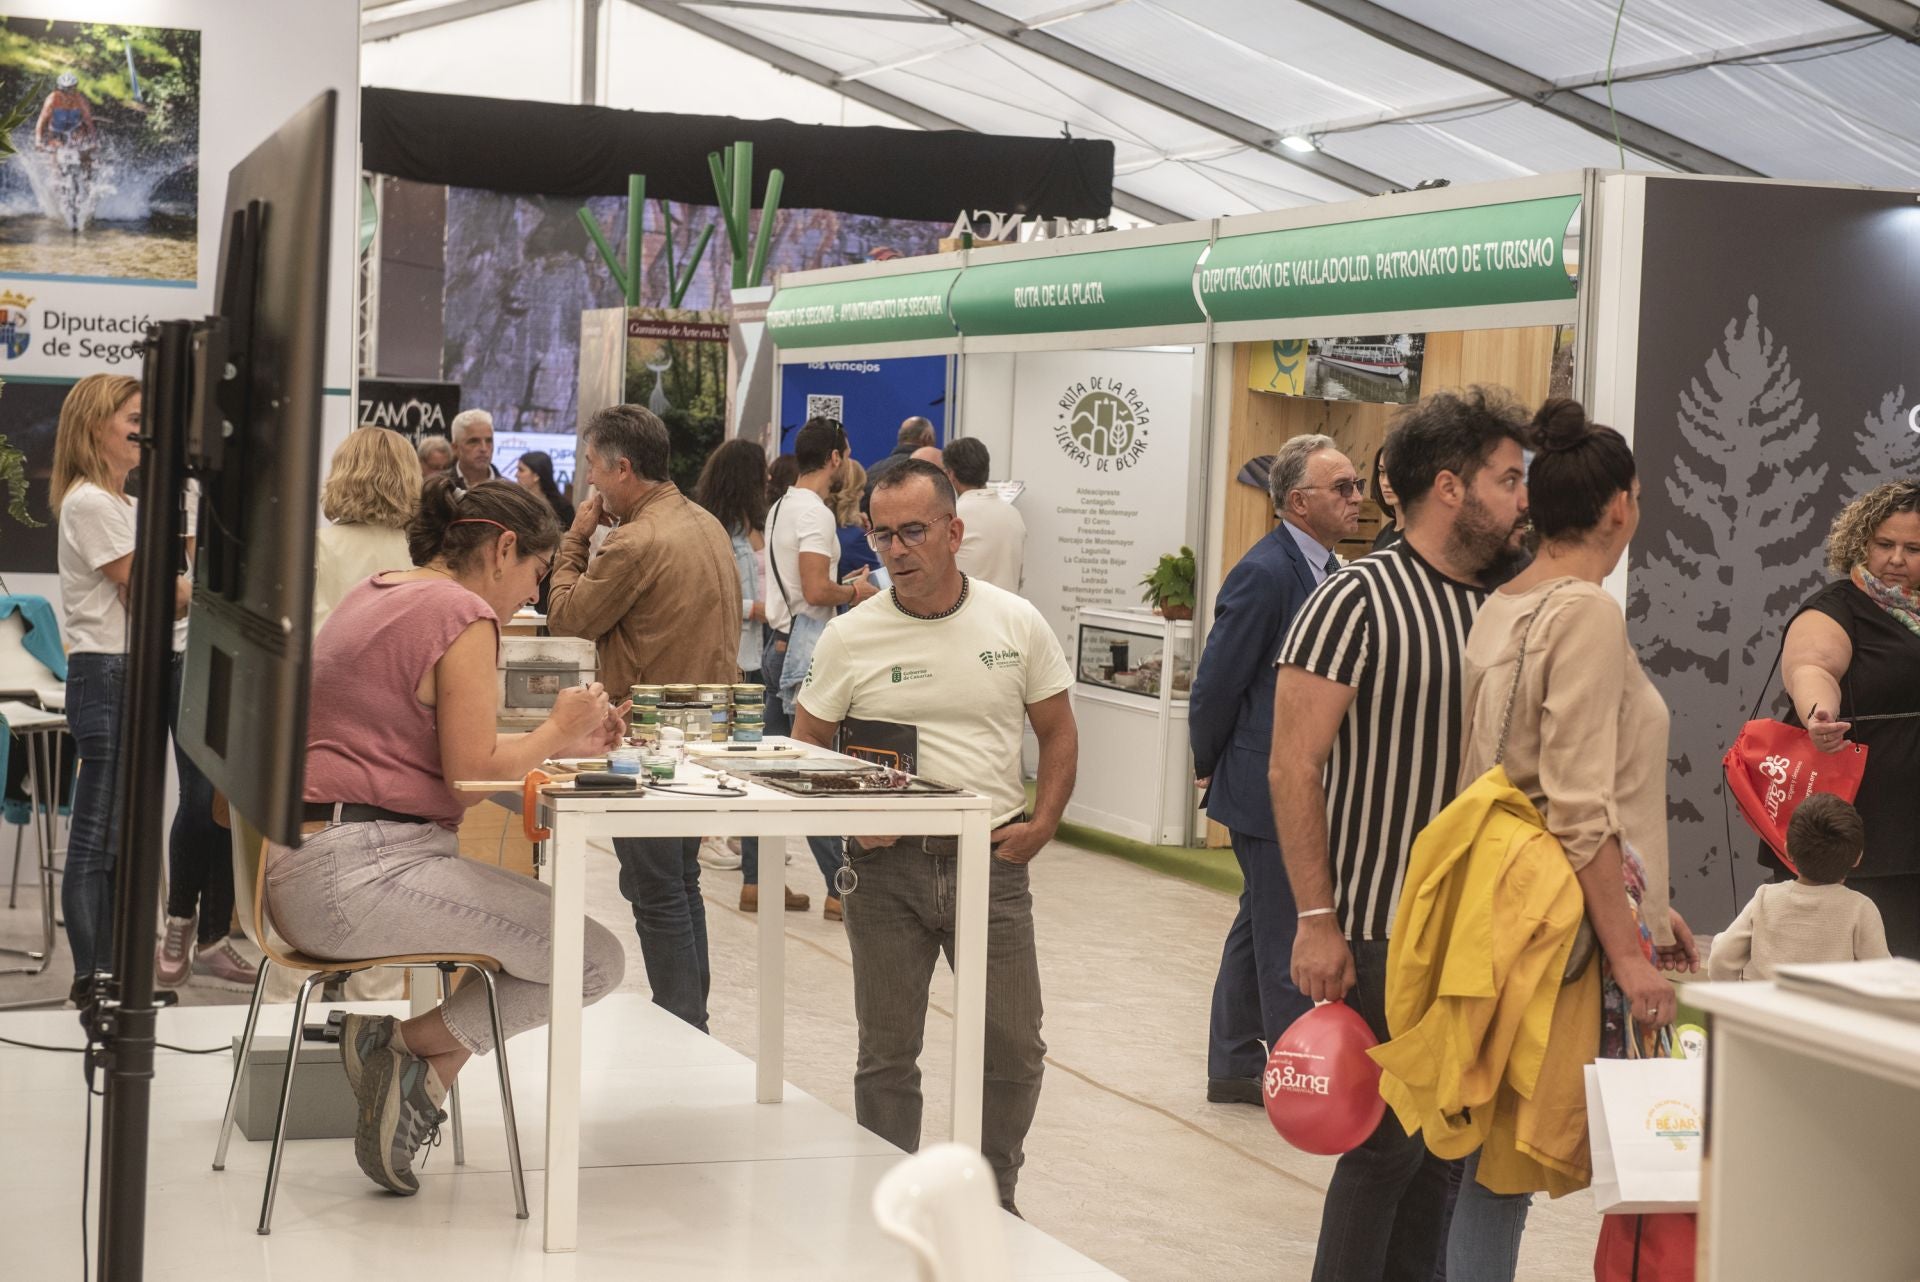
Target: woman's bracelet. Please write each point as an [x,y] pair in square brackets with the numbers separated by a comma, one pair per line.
[1316,912]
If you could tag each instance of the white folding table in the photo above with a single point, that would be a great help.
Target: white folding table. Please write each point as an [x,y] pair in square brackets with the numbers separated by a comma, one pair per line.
[576,818]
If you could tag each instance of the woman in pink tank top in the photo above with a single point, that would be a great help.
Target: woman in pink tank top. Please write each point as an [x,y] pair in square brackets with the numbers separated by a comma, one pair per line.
[403,704]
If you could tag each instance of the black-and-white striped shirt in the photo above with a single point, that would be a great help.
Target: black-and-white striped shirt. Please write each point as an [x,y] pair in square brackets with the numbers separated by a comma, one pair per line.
[1395,629]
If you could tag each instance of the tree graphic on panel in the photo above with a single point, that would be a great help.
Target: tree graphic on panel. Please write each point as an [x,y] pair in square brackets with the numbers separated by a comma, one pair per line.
[1744,549]
[1889,448]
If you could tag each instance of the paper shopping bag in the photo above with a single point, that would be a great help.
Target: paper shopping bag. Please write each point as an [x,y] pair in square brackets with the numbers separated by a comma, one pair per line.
[1644,1126]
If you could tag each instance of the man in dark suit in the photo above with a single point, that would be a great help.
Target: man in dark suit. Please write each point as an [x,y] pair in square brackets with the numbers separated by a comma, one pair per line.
[1316,494]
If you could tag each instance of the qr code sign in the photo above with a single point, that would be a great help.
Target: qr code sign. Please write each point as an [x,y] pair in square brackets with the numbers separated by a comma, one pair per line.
[833,407]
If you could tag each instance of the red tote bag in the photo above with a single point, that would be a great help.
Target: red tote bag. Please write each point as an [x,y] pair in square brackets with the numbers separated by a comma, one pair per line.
[1772,767]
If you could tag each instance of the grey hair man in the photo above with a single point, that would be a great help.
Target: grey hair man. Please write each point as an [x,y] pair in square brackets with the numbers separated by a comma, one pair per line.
[1230,722]
[472,433]
[994,546]
[436,455]
[661,602]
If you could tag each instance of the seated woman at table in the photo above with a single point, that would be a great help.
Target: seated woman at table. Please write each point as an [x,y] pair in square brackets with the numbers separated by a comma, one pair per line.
[402,706]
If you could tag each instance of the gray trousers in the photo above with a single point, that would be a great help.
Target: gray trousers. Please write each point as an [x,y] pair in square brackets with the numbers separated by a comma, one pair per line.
[900,917]
[379,889]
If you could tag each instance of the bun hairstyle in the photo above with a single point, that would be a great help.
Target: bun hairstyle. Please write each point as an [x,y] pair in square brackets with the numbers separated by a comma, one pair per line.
[455,524]
[1578,466]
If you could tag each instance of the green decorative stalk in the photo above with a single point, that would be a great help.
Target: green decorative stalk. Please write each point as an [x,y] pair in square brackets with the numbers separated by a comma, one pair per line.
[678,282]
[607,255]
[636,230]
[769,211]
[723,191]
[742,184]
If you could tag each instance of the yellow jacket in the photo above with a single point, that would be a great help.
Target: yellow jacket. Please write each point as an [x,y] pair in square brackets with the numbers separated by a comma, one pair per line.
[1488,1048]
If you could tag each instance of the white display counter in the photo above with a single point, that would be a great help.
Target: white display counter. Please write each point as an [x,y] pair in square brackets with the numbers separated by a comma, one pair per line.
[1815,1106]
[1132,671]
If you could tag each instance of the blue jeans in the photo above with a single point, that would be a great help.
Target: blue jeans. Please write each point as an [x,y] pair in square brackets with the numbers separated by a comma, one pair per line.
[1484,1243]
[199,852]
[826,850]
[375,889]
[660,876]
[96,689]
[1254,999]
[1385,1218]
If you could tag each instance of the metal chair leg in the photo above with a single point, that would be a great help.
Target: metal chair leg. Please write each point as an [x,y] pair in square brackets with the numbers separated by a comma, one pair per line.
[453,1091]
[506,1095]
[240,1065]
[13,889]
[286,1096]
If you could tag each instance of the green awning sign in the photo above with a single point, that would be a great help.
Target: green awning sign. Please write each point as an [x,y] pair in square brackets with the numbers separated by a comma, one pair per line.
[1479,256]
[874,309]
[1150,285]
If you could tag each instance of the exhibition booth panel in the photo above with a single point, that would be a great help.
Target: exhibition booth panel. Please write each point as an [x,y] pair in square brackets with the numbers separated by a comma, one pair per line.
[869,345]
[1084,371]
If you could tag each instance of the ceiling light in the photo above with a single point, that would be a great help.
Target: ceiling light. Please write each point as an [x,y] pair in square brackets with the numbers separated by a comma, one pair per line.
[1294,142]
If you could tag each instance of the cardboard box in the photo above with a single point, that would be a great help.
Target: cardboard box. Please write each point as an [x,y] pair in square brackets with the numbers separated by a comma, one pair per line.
[322,1107]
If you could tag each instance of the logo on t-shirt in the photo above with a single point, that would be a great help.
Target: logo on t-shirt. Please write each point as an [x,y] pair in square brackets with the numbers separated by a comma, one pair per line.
[1000,658]
[899,674]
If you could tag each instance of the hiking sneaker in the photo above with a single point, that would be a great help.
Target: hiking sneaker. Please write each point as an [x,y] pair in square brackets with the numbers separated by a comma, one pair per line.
[398,1113]
[717,855]
[174,962]
[361,1036]
[223,962]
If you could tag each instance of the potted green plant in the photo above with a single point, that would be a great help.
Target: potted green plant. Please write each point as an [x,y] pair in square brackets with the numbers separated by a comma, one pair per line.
[1170,585]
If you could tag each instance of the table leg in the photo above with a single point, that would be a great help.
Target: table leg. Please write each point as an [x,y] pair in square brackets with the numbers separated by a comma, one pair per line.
[566,872]
[970,978]
[769,1064]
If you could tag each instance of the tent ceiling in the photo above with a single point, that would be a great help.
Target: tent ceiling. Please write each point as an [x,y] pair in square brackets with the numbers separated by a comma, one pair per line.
[1197,95]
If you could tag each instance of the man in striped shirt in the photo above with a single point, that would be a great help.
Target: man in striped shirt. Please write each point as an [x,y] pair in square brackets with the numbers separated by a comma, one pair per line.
[1366,750]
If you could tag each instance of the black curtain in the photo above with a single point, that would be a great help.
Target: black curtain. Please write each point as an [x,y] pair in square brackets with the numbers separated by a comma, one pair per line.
[557,150]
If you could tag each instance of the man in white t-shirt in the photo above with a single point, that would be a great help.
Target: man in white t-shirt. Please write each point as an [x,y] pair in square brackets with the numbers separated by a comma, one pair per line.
[995,545]
[941,674]
[803,592]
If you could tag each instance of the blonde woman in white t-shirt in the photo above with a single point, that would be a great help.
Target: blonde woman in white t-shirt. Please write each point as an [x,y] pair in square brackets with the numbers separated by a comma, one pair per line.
[97,446]
[372,491]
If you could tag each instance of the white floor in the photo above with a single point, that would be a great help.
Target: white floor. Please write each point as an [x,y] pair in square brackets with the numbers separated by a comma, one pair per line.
[684,1176]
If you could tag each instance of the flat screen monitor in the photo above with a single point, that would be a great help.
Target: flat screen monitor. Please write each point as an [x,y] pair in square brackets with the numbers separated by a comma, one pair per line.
[243,708]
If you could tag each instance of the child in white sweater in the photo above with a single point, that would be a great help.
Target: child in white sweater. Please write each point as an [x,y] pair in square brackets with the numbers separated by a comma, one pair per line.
[1814,918]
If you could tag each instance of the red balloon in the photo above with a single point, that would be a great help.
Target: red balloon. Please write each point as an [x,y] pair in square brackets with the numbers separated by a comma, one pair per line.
[1322,1088]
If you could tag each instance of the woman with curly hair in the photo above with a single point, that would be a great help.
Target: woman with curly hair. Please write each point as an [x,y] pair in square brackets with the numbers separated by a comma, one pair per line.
[1852,667]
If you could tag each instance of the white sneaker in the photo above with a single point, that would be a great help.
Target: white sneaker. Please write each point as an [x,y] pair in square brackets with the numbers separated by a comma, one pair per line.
[715,854]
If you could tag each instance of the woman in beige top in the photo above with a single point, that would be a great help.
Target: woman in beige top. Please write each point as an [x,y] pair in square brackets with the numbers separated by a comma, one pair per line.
[372,491]
[1588,745]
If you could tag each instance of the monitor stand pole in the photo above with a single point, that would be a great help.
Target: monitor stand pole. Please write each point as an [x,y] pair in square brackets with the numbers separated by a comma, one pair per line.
[119,1013]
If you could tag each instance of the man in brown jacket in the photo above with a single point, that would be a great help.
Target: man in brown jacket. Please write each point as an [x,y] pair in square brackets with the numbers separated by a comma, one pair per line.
[661,600]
